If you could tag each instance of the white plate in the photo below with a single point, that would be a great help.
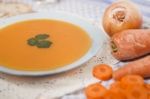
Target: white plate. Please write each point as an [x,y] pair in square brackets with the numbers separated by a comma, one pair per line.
[95,34]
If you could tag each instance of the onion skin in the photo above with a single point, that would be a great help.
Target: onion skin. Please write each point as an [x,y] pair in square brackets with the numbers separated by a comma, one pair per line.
[120,16]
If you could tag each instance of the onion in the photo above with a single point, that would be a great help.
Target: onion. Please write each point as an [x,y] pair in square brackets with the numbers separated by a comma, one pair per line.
[120,16]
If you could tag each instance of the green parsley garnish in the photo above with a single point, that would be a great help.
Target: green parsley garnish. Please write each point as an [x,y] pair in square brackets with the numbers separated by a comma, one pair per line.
[41,36]
[32,41]
[44,44]
[40,41]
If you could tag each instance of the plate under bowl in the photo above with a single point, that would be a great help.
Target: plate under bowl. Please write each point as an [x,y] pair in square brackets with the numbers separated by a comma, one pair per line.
[97,36]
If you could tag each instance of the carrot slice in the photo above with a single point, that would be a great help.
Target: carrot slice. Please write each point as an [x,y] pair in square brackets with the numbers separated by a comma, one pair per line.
[148,96]
[111,94]
[95,91]
[116,84]
[132,80]
[102,72]
[136,92]
[118,93]
[117,90]
[108,95]
[147,86]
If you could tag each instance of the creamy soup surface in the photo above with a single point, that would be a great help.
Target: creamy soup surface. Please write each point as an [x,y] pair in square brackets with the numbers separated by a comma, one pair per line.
[69,43]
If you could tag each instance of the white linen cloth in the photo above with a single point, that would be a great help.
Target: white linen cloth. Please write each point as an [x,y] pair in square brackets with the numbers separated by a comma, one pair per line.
[60,85]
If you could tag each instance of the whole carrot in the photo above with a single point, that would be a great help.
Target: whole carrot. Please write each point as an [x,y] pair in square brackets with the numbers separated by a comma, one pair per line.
[130,44]
[140,67]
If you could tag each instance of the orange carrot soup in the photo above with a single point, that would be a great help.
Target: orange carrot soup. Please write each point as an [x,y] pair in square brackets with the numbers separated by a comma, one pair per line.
[37,45]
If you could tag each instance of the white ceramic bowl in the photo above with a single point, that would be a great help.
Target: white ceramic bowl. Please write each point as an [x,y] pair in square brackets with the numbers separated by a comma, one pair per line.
[95,34]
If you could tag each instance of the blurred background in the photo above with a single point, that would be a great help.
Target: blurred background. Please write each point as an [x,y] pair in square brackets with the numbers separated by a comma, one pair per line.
[91,9]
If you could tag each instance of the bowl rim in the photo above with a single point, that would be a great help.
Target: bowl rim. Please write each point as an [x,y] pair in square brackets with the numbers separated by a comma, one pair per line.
[96,34]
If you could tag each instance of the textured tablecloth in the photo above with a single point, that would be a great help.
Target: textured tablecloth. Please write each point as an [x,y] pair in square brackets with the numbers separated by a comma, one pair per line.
[67,85]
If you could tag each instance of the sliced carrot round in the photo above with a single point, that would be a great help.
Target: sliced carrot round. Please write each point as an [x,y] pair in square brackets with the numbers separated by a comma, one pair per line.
[132,80]
[136,92]
[102,72]
[117,90]
[147,86]
[95,91]
[148,96]
[118,94]
[116,84]
[108,95]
